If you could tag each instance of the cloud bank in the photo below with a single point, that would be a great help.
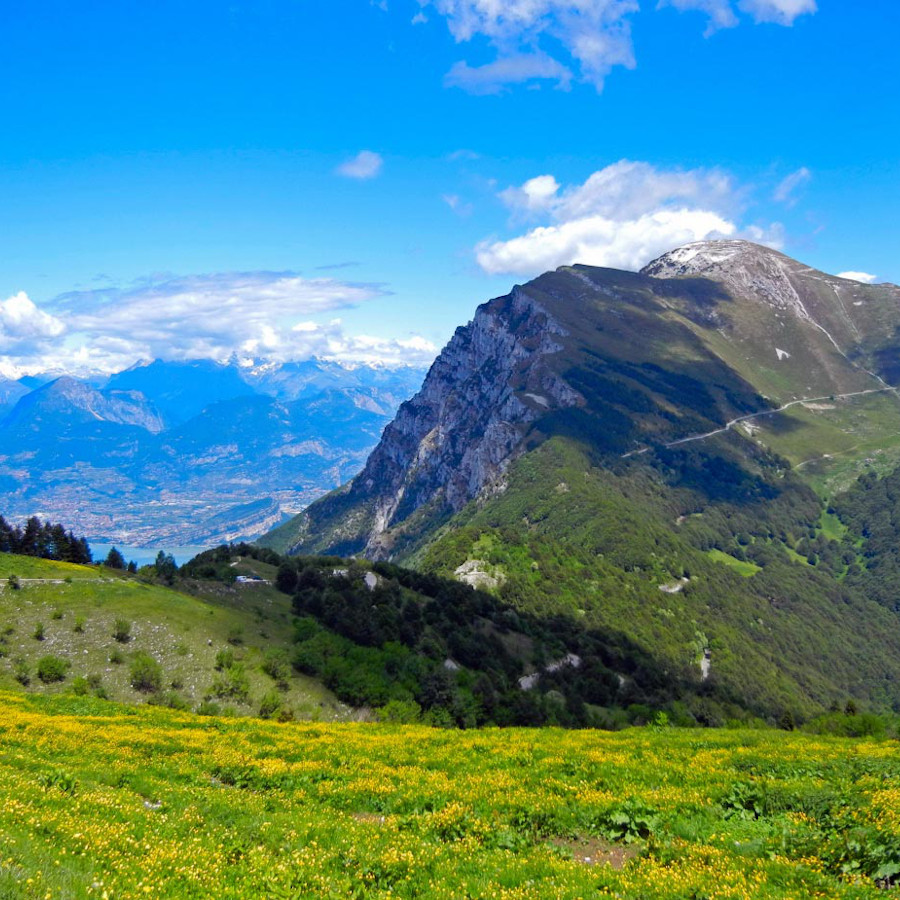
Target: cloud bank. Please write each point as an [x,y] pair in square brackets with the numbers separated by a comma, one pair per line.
[562,40]
[622,216]
[264,314]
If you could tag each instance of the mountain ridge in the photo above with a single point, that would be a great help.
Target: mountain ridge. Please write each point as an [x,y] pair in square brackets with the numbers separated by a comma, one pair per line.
[659,469]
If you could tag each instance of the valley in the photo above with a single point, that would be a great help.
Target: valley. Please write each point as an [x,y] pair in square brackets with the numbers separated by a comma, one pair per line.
[193,453]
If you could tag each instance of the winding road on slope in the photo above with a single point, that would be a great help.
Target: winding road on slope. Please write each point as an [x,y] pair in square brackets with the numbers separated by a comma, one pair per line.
[768,412]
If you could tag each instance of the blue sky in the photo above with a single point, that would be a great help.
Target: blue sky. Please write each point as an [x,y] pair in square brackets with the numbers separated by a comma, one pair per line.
[351,178]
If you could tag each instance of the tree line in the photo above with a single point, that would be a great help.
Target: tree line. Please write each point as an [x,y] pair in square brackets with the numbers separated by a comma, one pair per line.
[44,540]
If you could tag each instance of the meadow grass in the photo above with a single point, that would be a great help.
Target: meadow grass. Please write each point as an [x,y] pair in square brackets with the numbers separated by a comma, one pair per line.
[79,619]
[100,800]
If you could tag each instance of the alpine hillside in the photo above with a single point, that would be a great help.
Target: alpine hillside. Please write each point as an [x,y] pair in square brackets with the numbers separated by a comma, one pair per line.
[657,454]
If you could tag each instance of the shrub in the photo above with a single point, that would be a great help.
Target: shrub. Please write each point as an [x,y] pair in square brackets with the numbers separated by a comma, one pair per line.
[22,673]
[401,712]
[232,683]
[39,632]
[224,659]
[13,582]
[116,657]
[122,631]
[208,708]
[78,627]
[80,686]
[278,668]
[270,705]
[52,668]
[146,674]
[56,614]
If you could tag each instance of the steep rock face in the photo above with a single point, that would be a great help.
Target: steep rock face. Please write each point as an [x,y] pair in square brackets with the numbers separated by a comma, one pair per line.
[458,434]
[705,337]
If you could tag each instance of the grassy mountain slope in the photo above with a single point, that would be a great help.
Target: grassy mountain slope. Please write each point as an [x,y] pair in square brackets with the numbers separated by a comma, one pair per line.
[570,537]
[78,608]
[642,453]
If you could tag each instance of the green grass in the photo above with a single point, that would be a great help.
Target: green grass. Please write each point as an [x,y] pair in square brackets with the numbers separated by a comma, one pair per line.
[830,448]
[832,527]
[742,567]
[98,799]
[182,632]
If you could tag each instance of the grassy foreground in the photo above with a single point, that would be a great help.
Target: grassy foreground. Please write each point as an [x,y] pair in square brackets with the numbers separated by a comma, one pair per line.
[100,800]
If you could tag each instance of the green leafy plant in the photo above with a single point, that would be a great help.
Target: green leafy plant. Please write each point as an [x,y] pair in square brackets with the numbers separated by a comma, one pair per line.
[51,668]
[146,673]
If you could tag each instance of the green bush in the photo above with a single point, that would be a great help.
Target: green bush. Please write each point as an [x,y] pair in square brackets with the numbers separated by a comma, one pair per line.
[22,673]
[270,705]
[146,674]
[224,659]
[122,631]
[39,633]
[52,668]
[231,684]
[277,666]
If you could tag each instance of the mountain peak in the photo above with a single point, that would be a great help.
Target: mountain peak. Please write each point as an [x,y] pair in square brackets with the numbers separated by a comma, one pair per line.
[707,257]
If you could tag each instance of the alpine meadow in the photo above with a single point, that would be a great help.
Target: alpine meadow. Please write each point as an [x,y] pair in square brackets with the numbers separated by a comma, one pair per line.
[450,450]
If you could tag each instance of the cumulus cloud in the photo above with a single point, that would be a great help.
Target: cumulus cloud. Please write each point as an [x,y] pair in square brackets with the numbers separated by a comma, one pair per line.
[864,277]
[202,316]
[363,166]
[787,188]
[559,40]
[25,329]
[621,216]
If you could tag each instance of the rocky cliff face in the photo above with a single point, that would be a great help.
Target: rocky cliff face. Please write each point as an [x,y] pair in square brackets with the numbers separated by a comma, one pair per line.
[456,437]
[621,362]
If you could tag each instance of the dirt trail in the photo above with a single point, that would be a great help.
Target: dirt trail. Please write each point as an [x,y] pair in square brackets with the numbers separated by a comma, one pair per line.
[768,412]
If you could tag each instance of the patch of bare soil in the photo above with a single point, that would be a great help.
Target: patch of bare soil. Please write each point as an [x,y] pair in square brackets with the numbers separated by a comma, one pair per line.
[596,852]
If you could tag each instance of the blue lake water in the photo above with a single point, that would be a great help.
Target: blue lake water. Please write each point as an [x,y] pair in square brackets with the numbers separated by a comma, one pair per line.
[145,555]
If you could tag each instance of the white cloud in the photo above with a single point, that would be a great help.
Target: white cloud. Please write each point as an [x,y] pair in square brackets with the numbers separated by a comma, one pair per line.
[363,166]
[492,78]
[864,277]
[598,241]
[25,328]
[721,13]
[595,35]
[787,188]
[200,316]
[782,12]
[559,40]
[622,216]
[329,341]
